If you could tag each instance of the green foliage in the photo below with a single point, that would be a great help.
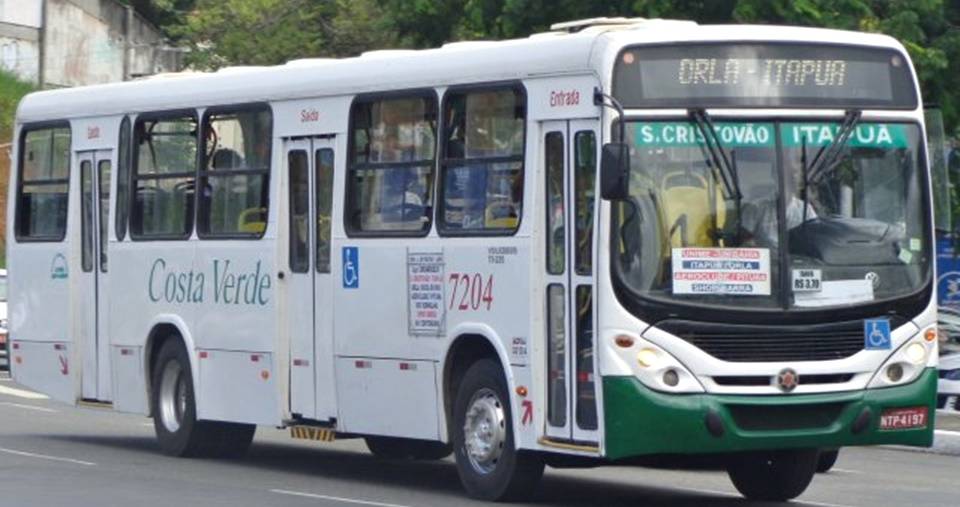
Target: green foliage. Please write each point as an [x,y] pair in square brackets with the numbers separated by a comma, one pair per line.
[11,91]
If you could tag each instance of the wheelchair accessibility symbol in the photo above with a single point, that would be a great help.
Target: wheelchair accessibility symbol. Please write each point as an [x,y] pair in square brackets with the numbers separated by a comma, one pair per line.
[351,267]
[876,334]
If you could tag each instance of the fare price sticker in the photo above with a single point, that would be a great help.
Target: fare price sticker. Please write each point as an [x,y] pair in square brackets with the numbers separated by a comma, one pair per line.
[807,280]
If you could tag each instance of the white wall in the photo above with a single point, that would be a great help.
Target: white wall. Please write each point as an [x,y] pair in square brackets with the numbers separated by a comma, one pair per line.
[20,12]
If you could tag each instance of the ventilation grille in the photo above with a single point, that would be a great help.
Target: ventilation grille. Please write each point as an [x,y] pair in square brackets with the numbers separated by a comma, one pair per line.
[749,343]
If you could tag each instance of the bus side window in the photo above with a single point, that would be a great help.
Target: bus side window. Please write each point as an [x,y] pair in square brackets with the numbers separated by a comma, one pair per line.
[44,167]
[299,211]
[482,169]
[123,179]
[392,156]
[164,176]
[234,178]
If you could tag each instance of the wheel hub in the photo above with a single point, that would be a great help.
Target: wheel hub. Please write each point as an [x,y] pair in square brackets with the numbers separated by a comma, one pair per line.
[173,396]
[485,431]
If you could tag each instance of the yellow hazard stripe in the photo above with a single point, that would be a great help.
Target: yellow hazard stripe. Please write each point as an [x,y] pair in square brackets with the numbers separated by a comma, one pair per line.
[312,433]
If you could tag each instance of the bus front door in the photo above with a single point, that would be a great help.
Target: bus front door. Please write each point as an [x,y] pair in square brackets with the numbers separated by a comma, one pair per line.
[569,150]
[92,304]
[310,165]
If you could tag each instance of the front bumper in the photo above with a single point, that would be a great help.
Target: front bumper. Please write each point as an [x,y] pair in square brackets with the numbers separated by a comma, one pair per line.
[640,421]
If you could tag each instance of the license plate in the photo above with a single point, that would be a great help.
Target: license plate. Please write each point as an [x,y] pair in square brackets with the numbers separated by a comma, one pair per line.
[903,418]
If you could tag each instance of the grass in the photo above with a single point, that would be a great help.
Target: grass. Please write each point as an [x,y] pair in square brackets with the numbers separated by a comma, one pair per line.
[11,91]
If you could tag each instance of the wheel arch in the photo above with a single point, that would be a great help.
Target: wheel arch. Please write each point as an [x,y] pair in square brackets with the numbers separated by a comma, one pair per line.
[469,344]
[164,328]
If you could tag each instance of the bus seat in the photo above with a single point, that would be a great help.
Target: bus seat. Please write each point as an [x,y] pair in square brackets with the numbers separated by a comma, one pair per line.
[688,213]
[252,220]
[501,215]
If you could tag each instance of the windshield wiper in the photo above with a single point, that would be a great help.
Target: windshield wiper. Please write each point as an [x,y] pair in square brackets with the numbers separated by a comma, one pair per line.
[725,165]
[826,158]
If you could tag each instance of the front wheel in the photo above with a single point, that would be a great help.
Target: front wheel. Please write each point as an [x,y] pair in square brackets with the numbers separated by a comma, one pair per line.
[828,458]
[488,462]
[175,413]
[774,475]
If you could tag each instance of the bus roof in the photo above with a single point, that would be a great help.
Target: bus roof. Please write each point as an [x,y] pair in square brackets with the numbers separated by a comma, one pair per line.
[575,48]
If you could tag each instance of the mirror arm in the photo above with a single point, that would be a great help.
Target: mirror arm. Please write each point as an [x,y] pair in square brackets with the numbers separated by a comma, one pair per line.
[603,100]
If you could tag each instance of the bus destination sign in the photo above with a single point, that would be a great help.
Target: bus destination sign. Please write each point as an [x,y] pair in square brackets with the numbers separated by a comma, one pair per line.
[763,75]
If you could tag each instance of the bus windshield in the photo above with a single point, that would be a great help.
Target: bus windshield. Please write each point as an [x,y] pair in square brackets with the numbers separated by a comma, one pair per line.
[806,222]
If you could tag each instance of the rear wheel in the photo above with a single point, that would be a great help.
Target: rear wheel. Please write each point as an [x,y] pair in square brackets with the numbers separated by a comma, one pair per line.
[828,458]
[774,475]
[488,462]
[405,448]
[175,414]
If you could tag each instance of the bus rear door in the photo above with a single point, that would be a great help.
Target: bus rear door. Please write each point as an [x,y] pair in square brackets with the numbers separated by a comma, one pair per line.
[310,165]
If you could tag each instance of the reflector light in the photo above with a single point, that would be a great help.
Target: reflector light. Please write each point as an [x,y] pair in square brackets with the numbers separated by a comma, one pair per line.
[624,341]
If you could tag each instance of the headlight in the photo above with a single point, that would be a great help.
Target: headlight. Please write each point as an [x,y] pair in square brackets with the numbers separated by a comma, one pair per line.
[652,365]
[906,364]
[3,324]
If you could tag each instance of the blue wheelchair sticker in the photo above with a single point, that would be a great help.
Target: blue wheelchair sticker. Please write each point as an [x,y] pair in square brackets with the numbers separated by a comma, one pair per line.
[351,267]
[876,334]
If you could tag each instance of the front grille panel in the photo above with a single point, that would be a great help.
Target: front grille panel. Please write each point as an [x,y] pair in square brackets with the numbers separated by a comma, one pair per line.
[785,417]
[749,343]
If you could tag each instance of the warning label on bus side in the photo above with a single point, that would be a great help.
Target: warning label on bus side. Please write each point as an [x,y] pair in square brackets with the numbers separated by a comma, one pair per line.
[727,271]
[425,294]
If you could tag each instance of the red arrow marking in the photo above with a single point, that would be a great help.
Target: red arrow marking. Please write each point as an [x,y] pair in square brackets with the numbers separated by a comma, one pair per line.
[527,412]
[64,369]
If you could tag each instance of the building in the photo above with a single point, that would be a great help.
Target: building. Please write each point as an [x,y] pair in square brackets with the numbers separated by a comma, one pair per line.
[61,43]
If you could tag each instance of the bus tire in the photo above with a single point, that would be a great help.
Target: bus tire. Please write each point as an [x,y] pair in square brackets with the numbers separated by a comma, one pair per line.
[828,458]
[174,409]
[488,462]
[404,448]
[774,476]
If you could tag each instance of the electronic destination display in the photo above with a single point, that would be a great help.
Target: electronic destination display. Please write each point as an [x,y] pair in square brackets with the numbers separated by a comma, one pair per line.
[763,75]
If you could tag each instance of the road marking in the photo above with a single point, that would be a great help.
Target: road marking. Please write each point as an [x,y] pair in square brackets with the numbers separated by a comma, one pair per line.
[706,491]
[28,407]
[735,495]
[30,395]
[948,433]
[819,504]
[44,456]
[334,498]
[845,471]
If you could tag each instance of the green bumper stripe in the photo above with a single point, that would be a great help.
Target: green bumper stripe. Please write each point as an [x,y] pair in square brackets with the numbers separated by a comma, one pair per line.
[640,421]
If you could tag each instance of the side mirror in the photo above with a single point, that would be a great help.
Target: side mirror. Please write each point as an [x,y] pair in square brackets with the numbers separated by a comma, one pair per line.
[615,171]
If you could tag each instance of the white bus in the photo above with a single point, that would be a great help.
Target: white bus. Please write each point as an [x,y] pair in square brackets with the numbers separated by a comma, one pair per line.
[622,241]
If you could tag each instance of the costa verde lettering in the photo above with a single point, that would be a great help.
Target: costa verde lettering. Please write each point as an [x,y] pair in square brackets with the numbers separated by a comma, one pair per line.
[231,286]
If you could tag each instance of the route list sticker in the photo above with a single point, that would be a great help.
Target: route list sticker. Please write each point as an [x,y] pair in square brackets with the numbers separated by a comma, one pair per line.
[726,271]
[425,293]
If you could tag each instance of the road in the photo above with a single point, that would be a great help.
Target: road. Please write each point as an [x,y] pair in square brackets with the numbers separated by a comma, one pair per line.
[55,455]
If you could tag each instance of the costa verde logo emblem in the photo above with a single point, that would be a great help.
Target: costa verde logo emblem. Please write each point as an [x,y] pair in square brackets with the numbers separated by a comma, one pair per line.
[58,268]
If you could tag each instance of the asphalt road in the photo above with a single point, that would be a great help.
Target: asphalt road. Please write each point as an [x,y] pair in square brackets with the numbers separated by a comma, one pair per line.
[54,455]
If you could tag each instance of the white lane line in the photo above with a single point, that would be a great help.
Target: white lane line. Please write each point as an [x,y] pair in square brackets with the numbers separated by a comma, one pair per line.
[818,504]
[705,491]
[948,433]
[845,471]
[44,456]
[20,393]
[28,407]
[735,495]
[334,498]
